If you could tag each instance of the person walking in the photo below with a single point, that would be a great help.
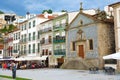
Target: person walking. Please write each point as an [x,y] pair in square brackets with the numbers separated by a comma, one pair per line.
[13,67]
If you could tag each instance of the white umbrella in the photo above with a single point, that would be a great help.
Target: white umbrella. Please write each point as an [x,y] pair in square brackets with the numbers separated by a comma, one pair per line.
[20,59]
[112,56]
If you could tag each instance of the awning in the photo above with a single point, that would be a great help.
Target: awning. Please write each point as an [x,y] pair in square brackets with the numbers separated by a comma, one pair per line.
[112,56]
[31,58]
[6,58]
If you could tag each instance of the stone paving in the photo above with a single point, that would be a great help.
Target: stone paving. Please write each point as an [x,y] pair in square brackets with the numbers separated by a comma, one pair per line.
[60,74]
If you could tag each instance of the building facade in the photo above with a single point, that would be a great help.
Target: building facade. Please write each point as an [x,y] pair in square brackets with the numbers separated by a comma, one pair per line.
[88,40]
[116,11]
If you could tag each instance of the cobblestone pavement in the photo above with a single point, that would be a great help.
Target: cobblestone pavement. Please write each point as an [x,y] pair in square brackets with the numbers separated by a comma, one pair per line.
[60,74]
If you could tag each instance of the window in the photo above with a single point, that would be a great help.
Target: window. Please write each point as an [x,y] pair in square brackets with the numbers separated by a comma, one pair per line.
[63,33]
[33,48]
[46,51]
[57,24]
[21,49]
[34,23]
[73,46]
[38,47]
[57,47]
[81,22]
[19,36]
[90,44]
[25,37]
[29,48]
[63,22]
[29,36]
[29,24]
[16,36]
[50,39]
[33,35]
[38,34]
[24,49]
[0,52]
[43,52]
[22,27]
[25,26]
[22,37]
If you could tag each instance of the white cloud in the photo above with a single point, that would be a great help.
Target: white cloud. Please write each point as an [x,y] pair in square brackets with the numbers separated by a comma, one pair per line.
[70,5]
[7,11]
[34,5]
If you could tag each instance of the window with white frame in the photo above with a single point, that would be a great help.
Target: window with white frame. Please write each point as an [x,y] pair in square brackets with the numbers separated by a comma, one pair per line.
[57,47]
[63,33]
[25,26]
[29,24]
[63,46]
[33,48]
[63,22]
[29,48]
[34,23]
[57,24]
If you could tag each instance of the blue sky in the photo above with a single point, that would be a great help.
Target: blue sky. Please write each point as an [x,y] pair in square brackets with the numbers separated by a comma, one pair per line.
[20,7]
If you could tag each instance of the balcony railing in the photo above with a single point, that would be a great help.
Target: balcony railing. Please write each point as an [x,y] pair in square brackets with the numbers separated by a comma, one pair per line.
[23,40]
[46,41]
[45,30]
[59,26]
[60,52]
[6,40]
[59,39]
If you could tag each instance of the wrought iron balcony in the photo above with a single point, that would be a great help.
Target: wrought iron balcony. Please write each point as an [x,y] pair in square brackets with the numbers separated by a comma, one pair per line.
[45,30]
[59,39]
[59,26]
[23,41]
[46,41]
[60,52]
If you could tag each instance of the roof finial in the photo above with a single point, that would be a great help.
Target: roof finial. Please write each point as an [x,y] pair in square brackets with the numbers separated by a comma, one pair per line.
[81,7]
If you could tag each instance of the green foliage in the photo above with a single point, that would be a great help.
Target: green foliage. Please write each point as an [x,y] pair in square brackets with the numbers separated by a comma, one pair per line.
[48,11]
[63,10]
[11,28]
[1,12]
[4,30]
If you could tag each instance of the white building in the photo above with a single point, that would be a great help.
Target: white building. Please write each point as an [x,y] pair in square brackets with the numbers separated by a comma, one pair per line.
[116,10]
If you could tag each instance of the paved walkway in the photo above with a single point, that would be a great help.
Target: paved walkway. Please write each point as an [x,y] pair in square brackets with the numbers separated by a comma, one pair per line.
[60,74]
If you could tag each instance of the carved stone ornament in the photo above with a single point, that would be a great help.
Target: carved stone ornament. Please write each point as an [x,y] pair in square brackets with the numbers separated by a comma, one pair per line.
[79,34]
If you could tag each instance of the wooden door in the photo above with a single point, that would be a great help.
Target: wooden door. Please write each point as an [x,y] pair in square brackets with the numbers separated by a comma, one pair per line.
[81,51]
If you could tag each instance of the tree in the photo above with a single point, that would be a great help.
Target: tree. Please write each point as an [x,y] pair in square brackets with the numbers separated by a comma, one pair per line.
[1,12]
[48,11]
[44,11]
[63,10]
[11,28]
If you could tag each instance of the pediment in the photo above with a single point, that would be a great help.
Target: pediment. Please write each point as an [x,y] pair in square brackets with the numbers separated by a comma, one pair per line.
[81,19]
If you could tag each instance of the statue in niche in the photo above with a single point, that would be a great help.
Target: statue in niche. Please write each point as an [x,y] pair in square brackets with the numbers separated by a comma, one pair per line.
[79,34]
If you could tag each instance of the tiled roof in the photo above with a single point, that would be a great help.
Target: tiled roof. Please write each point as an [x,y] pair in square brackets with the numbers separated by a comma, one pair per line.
[42,16]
